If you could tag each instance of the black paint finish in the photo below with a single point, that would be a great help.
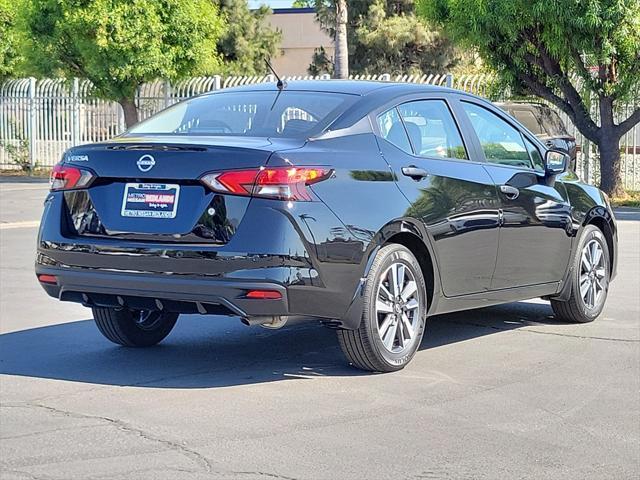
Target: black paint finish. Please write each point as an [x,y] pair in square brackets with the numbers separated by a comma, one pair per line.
[478,246]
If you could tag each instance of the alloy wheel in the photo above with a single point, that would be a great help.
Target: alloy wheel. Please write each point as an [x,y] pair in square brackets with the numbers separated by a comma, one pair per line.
[593,274]
[397,308]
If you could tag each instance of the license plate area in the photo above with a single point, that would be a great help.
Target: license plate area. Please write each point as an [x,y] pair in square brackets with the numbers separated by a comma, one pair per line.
[150,200]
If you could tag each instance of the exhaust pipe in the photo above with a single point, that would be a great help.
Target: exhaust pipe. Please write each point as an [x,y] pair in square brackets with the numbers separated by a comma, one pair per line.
[273,322]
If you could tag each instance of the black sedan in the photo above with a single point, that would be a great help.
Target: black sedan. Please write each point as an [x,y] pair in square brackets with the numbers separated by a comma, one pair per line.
[368,206]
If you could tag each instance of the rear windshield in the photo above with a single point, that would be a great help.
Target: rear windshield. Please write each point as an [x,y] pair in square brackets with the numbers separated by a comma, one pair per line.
[254,114]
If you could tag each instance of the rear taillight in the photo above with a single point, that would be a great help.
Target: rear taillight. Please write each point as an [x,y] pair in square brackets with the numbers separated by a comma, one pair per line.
[282,183]
[64,177]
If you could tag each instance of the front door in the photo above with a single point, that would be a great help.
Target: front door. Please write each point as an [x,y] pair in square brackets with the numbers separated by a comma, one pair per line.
[454,196]
[535,241]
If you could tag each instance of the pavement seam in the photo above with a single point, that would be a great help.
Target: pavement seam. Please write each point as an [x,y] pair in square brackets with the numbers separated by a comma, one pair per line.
[193,455]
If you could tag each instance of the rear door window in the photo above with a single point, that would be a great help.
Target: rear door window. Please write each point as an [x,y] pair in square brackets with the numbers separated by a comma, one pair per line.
[432,129]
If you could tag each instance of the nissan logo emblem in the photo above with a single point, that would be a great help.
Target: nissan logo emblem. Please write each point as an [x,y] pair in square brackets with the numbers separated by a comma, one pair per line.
[145,163]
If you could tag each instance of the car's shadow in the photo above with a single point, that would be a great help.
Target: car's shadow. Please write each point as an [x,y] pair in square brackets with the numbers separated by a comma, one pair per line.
[205,351]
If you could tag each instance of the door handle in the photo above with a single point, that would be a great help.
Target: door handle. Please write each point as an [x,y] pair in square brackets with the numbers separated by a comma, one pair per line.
[510,192]
[414,172]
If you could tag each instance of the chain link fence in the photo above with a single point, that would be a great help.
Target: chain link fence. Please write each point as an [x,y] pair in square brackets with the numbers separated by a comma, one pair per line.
[40,119]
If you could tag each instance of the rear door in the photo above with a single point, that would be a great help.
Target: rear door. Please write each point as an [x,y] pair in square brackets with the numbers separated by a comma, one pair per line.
[535,241]
[450,192]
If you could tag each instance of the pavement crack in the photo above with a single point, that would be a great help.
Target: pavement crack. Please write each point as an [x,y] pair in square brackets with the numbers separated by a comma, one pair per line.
[265,474]
[190,453]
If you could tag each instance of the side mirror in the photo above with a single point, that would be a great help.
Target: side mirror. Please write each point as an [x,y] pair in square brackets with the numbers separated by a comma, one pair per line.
[556,162]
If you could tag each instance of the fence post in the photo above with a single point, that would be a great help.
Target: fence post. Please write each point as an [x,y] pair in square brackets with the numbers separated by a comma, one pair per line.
[75,112]
[31,124]
[449,80]
[167,92]
[217,82]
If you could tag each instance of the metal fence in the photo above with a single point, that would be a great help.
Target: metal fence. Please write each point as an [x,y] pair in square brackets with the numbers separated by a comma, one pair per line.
[40,119]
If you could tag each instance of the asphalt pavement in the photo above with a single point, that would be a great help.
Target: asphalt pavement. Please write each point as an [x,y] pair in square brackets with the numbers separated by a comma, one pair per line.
[499,393]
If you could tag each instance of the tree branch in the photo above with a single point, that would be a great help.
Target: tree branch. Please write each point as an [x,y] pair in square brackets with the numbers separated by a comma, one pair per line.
[629,123]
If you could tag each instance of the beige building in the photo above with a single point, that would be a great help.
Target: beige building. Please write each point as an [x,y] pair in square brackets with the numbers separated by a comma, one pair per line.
[301,35]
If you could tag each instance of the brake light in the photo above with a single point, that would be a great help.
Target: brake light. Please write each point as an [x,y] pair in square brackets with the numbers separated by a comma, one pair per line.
[44,278]
[264,294]
[64,177]
[282,183]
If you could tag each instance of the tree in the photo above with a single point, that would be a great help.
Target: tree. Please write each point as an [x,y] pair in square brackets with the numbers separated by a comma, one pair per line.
[573,53]
[248,40]
[9,54]
[386,36]
[120,44]
[341,69]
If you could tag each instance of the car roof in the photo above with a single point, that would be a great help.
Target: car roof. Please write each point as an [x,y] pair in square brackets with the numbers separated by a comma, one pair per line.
[351,87]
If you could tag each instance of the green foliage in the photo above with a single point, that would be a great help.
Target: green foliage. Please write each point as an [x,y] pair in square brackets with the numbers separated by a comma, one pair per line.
[320,63]
[576,54]
[248,41]
[18,149]
[119,44]
[517,36]
[386,36]
[9,38]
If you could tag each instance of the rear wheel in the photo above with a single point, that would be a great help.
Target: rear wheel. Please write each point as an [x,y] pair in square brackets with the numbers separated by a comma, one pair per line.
[589,280]
[134,328]
[394,314]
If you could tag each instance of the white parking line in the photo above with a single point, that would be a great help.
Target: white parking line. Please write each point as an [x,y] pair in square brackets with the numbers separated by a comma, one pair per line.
[5,187]
[24,224]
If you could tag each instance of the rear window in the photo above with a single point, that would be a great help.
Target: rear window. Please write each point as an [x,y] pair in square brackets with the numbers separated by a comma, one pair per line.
[255,114]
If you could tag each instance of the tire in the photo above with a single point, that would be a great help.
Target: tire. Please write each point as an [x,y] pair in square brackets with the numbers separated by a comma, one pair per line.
[591,268]
[134,328]
[390,351]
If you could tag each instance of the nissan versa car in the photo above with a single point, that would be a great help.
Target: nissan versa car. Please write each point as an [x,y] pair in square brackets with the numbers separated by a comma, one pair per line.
[367,206]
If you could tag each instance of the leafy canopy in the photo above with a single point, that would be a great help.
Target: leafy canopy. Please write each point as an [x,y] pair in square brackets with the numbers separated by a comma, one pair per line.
[9,39]
[120,44]
[536,45]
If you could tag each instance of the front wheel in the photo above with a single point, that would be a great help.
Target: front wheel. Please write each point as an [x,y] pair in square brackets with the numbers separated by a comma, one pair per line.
[134,328]
[394,314]
[589,280]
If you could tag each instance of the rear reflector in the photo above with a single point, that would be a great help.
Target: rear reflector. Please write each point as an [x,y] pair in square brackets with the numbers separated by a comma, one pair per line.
[44,278]
[282,183]
[264,294]
[64,177]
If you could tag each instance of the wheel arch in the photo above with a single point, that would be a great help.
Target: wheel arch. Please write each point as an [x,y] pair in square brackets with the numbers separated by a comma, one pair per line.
[603,220]
[410,233]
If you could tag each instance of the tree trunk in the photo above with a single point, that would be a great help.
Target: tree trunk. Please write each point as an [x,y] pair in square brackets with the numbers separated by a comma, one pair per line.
[130,111]
[610,178]
[342,48]
[609,147]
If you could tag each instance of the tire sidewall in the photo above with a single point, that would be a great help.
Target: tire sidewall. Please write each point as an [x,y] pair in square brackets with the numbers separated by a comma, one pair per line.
[591,233]
[389,255]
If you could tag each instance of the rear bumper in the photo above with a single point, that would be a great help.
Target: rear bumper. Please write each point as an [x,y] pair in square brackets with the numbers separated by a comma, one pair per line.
[301,251]
[164,292]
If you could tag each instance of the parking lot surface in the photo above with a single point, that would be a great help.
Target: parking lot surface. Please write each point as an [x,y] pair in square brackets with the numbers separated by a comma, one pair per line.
[501,392]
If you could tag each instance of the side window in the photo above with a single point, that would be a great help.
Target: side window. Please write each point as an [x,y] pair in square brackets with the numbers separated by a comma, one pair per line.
[392,130]
[501,143]
[432,130]
[535,155]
